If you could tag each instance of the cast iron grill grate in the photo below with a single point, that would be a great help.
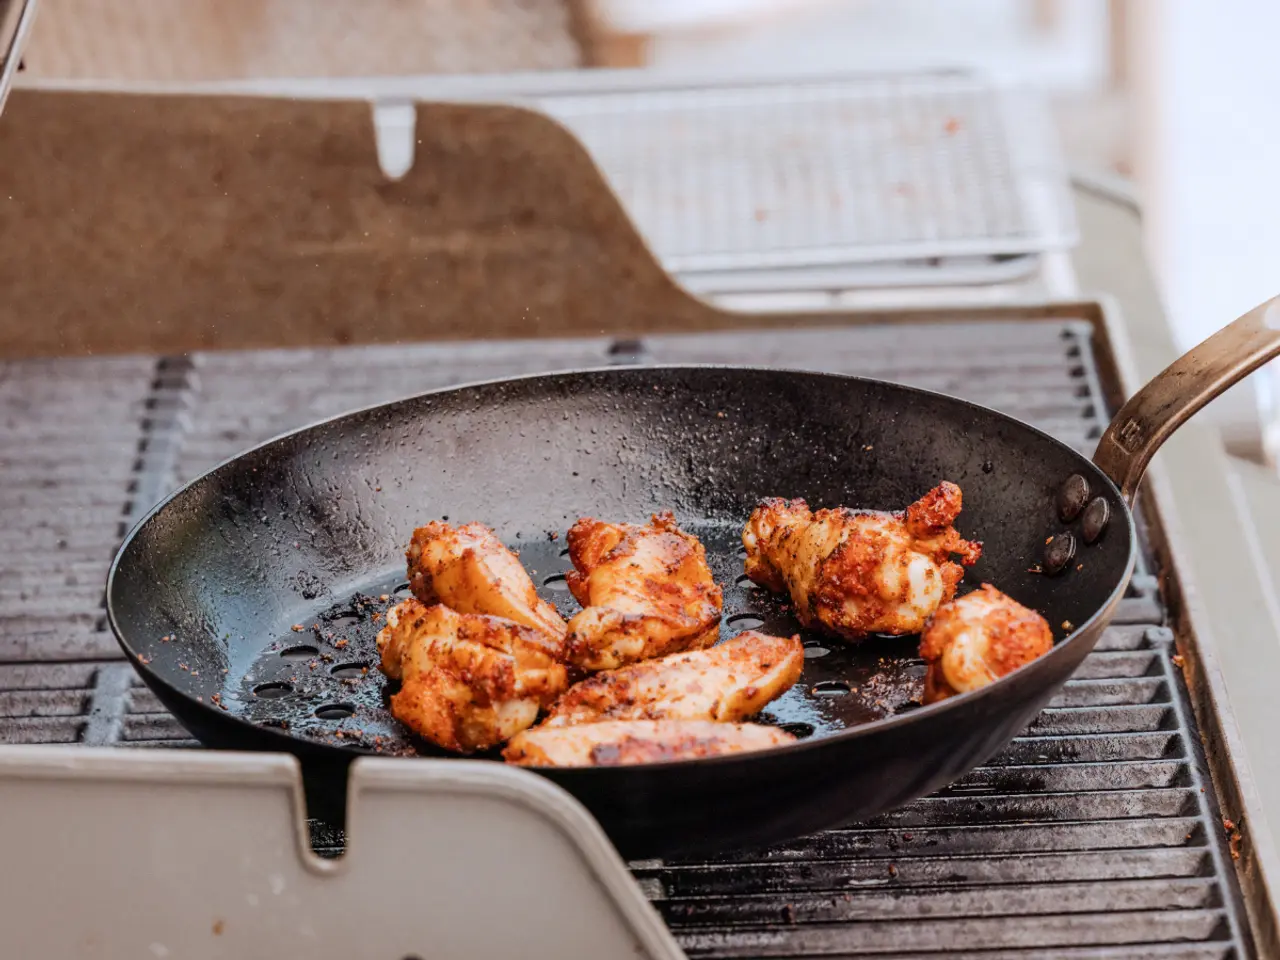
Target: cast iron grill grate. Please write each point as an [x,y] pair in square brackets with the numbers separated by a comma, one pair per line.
[1093,835]
[69,449]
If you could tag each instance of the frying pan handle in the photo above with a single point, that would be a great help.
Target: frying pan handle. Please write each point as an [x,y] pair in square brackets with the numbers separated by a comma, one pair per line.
[1179,391]
[16,17]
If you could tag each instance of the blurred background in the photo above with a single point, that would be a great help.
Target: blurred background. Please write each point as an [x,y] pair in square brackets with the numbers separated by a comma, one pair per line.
[1169,97]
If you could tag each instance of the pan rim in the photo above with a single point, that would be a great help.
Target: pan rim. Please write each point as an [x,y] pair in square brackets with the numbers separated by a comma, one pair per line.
[1079,634]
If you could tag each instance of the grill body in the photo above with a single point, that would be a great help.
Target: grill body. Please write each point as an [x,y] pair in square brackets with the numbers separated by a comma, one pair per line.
[1095,834]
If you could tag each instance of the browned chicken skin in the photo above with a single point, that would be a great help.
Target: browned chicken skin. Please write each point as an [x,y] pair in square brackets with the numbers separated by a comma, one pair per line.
[977,639]
[468,682]
[470,570]
[728,682]
[646,591]
[624,742]
[855,572]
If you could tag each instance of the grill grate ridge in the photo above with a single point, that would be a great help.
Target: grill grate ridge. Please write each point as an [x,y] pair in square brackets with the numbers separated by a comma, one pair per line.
[69,439]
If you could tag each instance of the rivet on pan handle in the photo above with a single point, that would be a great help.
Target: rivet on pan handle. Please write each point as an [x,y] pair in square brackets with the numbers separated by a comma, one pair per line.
[1180,390]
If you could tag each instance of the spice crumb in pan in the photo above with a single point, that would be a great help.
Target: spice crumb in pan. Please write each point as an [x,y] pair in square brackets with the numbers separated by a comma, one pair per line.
[1177,660]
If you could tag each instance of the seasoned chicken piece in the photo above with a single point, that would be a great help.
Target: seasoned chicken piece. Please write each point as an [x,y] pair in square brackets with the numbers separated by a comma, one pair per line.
[623,742]
[646,590]
[469,569]
[468,681]
[855,572]
[978,639]
[728,682]
[402,625]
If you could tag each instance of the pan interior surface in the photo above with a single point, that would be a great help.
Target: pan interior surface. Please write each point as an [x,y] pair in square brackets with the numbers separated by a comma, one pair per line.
[322,681]
[260,587]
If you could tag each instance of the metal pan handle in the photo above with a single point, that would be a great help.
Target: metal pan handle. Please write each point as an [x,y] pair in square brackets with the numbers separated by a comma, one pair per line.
[16,17]
[1179,391]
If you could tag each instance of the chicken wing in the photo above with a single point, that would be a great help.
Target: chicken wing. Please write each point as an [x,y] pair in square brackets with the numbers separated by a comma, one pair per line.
[468,681]
[624,742]
[855,572]
[977,639]
[470,570]
[728,682]
[646,590]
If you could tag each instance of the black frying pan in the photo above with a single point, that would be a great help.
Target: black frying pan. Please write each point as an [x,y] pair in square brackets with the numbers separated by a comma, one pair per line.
[309,530]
